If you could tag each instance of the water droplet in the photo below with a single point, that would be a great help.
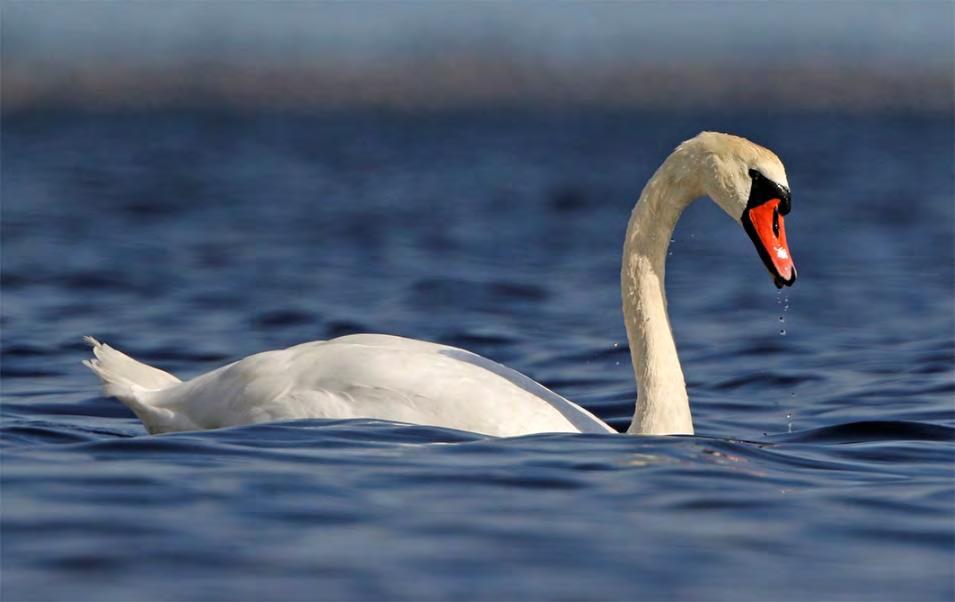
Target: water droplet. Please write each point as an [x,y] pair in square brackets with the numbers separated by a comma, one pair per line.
[782,332]
[615,345]
[672,240]
[782,319]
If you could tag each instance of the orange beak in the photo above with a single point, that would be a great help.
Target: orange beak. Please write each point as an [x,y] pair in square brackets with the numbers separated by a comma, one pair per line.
[765,227]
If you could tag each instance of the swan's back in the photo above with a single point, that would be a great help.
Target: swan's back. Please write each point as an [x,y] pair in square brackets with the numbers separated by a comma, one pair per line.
[365,376]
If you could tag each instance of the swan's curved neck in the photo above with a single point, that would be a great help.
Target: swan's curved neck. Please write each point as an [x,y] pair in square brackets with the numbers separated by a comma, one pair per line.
[662,406]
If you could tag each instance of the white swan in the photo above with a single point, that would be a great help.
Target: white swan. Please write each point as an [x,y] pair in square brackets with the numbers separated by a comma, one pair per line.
[405,380]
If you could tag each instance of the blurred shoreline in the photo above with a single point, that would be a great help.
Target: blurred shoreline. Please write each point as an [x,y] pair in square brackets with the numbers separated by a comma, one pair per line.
[450,82]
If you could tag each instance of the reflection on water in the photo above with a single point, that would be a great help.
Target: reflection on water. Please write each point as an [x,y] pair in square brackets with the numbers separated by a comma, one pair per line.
[823,465]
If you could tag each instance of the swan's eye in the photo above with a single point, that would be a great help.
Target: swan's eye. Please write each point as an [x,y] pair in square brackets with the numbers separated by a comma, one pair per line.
[764,190]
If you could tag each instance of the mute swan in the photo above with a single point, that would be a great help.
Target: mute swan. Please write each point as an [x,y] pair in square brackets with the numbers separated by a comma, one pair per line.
[406,380]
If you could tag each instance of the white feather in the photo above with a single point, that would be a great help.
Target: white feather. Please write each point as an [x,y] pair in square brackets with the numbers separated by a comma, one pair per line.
[392,378]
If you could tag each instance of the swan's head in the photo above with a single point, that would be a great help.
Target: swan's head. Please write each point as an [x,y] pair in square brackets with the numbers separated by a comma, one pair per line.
[749,183]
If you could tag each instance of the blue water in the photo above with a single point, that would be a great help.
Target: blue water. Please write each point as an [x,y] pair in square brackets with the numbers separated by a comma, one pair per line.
[823,465]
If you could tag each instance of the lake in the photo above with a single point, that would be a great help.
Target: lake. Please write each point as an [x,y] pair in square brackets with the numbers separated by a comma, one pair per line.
[824,458]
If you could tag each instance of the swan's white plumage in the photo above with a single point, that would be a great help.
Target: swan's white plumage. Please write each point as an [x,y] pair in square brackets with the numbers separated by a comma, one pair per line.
[356,376]
[405,380]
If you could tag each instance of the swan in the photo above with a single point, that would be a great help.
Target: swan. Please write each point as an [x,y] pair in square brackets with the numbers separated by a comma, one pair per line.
[412,381]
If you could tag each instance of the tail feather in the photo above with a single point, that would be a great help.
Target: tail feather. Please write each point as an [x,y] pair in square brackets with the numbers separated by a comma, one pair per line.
[135,384]
[117,368]
[125,378]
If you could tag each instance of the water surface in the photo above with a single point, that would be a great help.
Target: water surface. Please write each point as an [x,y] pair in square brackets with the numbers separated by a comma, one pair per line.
[823,465]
